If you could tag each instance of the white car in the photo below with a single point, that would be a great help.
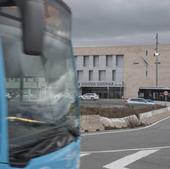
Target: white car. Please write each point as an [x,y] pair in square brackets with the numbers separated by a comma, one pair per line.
[89,96]
[8,96]
[139,101]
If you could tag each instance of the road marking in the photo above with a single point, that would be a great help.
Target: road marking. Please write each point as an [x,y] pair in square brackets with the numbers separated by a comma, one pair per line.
[125,161]
[84,154]
[124,130]
[126,150]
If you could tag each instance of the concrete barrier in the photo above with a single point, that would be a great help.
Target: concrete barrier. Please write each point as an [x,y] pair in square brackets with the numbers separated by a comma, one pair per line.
[154,116]
[91,123]
[119,122]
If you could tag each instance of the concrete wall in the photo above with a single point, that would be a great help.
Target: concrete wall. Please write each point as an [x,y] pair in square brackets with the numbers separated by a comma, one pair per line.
[101,66]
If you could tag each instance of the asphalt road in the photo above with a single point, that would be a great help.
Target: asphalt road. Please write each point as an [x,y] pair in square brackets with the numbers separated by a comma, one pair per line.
[144,148]
[103,103]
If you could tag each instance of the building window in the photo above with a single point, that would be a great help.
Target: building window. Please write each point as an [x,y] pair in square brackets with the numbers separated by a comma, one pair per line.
[17,79]
[113,75]
[109,60]
[75,60]
[79,75]
[26,79]
[12,79]
[102,75]
[119,60]
[90,75]
[85,61]
[96,61]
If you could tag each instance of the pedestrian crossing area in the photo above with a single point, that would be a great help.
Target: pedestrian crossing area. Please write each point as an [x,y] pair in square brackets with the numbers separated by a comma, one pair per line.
[142,159]
[84,154]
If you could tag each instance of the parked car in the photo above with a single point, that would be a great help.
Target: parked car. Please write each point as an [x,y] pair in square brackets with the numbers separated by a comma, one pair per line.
[139,101]
[89,96]
[8,96]
[150,100]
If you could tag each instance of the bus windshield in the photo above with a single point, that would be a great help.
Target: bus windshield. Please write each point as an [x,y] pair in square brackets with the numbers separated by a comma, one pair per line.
[40,90]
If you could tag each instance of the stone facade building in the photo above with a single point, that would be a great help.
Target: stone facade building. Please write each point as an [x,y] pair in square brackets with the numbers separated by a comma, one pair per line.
[123,71]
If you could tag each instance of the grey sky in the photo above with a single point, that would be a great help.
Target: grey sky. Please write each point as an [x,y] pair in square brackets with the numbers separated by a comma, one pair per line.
[119,22]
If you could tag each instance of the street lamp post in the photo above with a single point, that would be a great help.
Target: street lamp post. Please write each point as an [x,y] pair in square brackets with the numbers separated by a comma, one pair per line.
[157,62]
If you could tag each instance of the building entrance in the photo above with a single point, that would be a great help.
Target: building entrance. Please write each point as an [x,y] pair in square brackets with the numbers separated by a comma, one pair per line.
[154,93]
[105,92]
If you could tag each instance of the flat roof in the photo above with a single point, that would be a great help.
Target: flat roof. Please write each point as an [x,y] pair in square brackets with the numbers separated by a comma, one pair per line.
[155,88]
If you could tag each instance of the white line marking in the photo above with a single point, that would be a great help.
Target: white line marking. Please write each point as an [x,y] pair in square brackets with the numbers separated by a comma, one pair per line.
[125,161]
[125,130]
[126,150]
[84,154]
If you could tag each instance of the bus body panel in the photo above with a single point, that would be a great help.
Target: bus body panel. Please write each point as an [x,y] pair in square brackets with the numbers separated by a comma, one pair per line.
[65,158]
[3,112]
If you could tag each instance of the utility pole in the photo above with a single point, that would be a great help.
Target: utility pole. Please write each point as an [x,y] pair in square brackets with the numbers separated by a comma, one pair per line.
[157,62]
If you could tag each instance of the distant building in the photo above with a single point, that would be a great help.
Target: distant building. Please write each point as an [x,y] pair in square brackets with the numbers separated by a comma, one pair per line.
[123,71]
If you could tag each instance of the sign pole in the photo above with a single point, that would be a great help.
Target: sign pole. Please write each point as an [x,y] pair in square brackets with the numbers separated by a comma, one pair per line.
[166,97]
[166,100]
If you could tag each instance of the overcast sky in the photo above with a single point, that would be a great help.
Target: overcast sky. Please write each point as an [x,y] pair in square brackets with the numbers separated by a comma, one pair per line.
[119,22]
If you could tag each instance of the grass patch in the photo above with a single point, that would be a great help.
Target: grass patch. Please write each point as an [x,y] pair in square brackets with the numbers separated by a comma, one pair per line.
[117,112]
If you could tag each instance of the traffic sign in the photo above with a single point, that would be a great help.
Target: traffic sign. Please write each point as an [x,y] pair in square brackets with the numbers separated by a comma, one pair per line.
[166,93]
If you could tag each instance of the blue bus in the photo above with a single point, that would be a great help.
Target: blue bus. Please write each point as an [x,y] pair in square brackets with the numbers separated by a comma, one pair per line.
[39,113]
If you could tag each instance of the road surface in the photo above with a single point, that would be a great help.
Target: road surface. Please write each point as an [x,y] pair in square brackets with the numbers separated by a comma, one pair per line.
[103,103]
[144,148]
